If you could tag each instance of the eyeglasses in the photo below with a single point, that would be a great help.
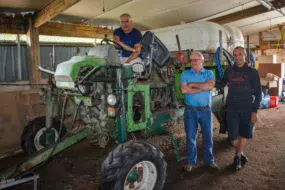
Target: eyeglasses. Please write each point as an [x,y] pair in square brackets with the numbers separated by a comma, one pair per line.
[125,21]
[194,60]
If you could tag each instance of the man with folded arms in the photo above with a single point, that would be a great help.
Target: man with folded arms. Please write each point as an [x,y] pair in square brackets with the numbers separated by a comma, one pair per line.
[196,85]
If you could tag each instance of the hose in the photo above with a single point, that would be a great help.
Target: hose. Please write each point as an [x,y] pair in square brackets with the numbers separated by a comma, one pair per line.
[74,118]
[229,58]
[279,38]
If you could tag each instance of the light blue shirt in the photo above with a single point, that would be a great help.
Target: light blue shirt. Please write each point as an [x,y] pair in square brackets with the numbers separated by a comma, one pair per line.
[202,98]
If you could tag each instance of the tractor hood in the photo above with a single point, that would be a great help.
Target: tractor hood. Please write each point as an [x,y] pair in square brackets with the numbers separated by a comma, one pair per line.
[67,72]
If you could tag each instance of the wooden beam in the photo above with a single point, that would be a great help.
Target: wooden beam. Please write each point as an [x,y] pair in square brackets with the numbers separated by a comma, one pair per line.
[246,13]
[51,10]
[239,15]
[262,45]
[33,52]
[12,26]
[19,26]
[74,30]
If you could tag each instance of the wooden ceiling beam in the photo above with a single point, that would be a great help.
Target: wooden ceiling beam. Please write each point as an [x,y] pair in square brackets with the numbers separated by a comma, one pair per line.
[246,13]
[74,30]
[52,10]
[12,26]
[20,26]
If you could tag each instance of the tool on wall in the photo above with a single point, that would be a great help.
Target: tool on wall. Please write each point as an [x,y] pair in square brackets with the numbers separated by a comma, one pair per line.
[180,59]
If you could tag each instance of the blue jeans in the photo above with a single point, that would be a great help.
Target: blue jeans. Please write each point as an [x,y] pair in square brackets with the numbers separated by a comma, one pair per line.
[191,120]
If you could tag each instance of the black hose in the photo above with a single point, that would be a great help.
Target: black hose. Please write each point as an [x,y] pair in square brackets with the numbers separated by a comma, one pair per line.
[74,117]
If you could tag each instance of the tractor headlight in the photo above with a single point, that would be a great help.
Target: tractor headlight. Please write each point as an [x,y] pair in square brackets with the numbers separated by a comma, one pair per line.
[138,67]
[112,99]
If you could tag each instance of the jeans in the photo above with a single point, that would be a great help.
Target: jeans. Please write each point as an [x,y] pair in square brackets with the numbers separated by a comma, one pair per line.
[191,120]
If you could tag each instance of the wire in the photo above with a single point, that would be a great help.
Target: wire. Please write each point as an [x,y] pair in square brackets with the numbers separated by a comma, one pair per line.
[76,112]
[280,36]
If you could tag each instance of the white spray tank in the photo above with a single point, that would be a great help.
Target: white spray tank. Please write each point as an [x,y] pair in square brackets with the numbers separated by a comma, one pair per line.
[200,35]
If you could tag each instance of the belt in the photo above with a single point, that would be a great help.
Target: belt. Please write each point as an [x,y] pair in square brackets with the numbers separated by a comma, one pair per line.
[198,108]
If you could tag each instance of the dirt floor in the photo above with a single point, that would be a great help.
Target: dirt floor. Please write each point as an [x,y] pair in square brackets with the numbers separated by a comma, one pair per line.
[78,167]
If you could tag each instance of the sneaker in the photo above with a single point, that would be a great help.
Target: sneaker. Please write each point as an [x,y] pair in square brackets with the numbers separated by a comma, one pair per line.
[214,167]
[244,159]
[188,168]
[237,162]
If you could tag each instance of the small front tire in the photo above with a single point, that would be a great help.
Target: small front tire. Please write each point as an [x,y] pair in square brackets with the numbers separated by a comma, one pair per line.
[30,139]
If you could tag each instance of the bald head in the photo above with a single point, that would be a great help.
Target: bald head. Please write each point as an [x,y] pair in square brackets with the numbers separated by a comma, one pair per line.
[241,49]
[239,55]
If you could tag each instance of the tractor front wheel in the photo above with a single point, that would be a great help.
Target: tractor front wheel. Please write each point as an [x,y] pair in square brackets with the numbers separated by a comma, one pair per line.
[134,165]
[33,137]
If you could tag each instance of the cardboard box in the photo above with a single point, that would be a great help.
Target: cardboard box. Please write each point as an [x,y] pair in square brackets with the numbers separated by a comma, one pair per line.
[273,91]
[280,85]
[276,91]
[276,69]
[263,82]
[267,59]
[271,77]
[272,84]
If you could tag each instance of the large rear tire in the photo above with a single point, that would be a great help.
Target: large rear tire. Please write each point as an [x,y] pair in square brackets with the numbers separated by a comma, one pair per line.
[134,165]
[32,132]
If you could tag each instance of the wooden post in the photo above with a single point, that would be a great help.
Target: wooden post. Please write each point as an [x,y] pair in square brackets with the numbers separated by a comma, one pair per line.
[19,64]
[262,46]
[33,52]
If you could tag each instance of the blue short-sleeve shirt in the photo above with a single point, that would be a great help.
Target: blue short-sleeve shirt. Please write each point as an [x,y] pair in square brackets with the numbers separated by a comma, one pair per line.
[129,39]
[202,98]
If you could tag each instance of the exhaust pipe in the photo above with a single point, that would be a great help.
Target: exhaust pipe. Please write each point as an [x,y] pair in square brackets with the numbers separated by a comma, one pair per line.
[46,70]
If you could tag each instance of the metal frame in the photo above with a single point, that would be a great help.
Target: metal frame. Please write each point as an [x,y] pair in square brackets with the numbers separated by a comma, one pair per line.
[13,182]
[132,89]
[43,155]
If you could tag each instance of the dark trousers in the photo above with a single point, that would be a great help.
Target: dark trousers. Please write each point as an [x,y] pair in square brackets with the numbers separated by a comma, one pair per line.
[238,123]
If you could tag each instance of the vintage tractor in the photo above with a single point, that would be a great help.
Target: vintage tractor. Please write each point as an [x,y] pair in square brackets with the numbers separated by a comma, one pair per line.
[107,100]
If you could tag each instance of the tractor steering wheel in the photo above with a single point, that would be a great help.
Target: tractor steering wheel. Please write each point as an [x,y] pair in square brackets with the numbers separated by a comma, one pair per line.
[107,41]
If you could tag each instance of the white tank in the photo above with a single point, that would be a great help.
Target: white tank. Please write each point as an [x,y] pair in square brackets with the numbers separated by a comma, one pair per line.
[234,37]
[200,35]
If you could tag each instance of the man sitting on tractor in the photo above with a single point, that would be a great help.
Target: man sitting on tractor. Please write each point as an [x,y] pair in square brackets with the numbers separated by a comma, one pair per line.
[129,38]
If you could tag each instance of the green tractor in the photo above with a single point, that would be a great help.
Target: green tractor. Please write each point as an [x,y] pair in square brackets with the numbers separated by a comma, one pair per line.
[107,100]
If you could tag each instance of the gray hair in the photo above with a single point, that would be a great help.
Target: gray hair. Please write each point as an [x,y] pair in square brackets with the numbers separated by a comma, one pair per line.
[126,15]
[199,54]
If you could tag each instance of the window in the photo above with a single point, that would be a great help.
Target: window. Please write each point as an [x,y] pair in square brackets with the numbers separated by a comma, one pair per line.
[14,54]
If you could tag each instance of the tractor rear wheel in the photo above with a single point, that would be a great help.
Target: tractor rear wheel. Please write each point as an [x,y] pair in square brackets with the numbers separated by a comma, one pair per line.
[33,138]
[134,165]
